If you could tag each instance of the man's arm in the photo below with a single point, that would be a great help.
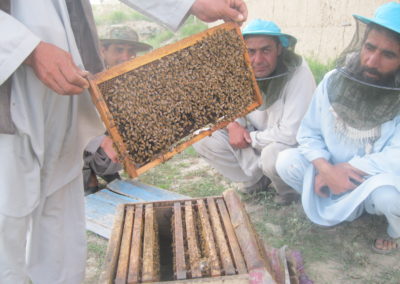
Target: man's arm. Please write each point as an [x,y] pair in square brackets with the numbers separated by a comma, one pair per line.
[52,65]
[239,137]
[56,69]
[16,42]
[173,13]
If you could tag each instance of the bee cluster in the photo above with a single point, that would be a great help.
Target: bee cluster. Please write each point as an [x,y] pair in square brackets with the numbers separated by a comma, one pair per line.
[159,105]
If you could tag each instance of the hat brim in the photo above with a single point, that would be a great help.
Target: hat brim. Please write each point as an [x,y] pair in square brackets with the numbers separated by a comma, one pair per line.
[378,22]
[139,46]
[285,39]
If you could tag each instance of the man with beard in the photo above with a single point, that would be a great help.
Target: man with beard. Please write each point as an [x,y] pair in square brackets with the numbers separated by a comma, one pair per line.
[246,150]
[347,161]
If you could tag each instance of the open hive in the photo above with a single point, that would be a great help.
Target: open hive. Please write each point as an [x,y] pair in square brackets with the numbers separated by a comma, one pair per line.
[156,105]
[208,239]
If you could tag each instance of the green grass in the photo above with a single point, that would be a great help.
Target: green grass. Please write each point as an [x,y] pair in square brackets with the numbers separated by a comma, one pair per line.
[96,247]
[176,175]
[319,69]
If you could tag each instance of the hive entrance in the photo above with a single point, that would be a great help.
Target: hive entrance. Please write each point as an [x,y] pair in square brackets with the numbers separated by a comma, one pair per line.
[177,241]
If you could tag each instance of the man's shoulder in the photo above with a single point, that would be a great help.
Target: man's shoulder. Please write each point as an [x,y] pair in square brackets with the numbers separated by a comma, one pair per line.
[302,69]
[302,75]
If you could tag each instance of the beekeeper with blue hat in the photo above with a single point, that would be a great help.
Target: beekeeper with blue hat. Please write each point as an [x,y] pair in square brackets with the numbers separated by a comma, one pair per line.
[347,162]
[246,150]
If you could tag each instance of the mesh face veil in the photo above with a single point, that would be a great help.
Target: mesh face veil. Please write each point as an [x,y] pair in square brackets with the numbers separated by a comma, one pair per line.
[273,85]
[362,103]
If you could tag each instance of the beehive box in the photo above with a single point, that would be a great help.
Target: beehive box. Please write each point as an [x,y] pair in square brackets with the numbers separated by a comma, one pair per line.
[207,240]
[156,105]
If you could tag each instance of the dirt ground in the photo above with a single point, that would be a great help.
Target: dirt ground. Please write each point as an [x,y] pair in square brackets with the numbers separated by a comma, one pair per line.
[336,255]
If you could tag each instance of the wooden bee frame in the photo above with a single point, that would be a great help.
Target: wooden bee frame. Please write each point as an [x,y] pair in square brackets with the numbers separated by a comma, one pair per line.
[206,240]
[234,93]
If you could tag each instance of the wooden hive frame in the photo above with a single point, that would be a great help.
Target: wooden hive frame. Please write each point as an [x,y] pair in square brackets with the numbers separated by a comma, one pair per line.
[234,253]
[131,168]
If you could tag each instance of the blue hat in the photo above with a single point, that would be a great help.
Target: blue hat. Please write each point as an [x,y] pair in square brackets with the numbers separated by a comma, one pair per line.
[387,16]
[268,28]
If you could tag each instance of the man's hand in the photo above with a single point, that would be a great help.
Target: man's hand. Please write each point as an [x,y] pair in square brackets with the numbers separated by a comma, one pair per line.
[107,146]
[338,178]
[227,10]
[55,68]
[239,137]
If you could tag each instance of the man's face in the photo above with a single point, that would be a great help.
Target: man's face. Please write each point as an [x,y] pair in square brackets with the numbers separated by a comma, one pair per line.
[117,53]
[380,57]
[263,52]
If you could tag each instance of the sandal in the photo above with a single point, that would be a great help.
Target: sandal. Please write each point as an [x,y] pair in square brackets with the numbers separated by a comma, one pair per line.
[385,246]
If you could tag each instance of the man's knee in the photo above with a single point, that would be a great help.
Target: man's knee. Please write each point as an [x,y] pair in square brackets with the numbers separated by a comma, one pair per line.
[269,156]
[290,163]
[386,200]
[201,146]
[215,144]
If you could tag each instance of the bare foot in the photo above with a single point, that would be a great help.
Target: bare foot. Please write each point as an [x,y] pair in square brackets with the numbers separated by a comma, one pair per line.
[385,246]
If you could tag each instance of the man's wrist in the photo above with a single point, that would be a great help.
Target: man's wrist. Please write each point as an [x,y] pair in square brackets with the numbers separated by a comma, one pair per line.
[232,125]
[322,165]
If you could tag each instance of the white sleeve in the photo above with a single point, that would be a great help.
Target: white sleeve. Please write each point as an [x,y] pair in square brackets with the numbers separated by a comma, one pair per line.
[171,13]
[16,43]
[310,135]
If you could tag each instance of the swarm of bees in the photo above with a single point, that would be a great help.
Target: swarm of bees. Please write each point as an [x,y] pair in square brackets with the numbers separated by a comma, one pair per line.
[160,105]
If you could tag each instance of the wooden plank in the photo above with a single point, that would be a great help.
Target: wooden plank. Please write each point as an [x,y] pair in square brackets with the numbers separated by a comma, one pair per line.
[180,263]
[227,279]
[143,192]
[225,255]
[136,246]
[110,264]
[208,239]
[230,232]
[123,261]
[244,231]
[150,246]
[193,246]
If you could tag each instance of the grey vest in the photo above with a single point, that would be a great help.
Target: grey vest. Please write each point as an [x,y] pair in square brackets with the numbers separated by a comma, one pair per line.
[85,33]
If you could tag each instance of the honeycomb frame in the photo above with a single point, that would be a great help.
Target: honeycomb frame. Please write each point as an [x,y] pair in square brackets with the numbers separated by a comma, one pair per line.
[191,131]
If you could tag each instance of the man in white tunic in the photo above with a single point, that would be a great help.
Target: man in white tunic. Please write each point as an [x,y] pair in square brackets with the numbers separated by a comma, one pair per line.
[348,157]
[45,47]
[246,150]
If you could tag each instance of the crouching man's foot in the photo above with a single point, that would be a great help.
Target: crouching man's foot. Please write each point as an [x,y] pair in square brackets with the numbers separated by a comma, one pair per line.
[385,246]
[287,198]
[259,186]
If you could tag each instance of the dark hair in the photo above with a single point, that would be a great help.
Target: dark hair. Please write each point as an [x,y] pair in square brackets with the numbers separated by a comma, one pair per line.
[392,34]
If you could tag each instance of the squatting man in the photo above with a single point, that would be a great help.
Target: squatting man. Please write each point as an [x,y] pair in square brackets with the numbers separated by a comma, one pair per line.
[246,150]
[347,162]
